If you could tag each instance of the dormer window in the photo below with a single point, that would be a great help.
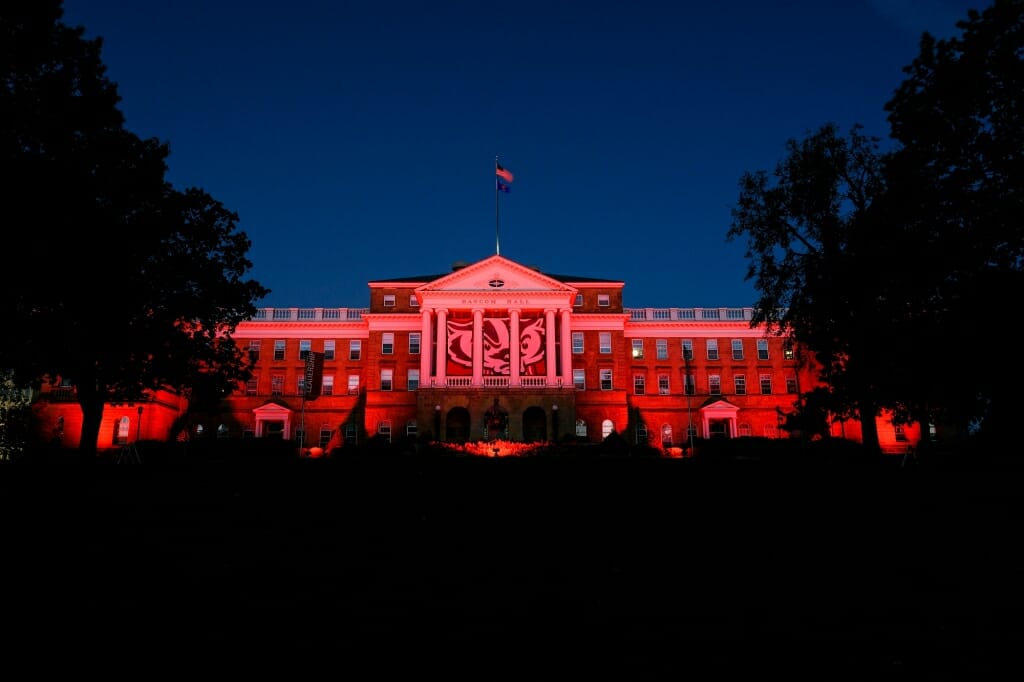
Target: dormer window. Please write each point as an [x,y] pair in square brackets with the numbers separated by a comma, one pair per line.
[603,300]
[389,300]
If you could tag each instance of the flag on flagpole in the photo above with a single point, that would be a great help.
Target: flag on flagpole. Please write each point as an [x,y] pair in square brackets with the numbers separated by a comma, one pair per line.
[502,187]
[502,173]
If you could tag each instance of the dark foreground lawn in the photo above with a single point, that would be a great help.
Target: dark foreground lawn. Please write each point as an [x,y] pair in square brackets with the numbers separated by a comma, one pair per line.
[538,568]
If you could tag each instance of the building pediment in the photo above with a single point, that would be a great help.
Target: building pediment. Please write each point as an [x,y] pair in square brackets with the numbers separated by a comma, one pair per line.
[719,406]
[496,281]
[495,275]
[272,411]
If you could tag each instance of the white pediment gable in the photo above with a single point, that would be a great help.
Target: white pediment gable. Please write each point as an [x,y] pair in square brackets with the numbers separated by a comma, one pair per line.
[272,411]
[496,275]
[722,407]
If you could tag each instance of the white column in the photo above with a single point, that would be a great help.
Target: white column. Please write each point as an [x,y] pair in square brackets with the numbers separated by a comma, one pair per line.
[549,356]
[442,346]
[566,348]
[478,347]
[426,347]
[515,348]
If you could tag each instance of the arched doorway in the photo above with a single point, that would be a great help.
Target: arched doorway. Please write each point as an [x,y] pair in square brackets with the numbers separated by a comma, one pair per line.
[535,428]
[457,425]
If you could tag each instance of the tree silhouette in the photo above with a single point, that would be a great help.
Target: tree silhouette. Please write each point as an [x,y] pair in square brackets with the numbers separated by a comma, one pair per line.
[126,284]
[807,229]
[957,208]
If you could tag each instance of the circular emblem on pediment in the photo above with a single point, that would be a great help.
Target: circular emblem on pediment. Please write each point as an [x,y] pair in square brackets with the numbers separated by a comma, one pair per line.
[496,283]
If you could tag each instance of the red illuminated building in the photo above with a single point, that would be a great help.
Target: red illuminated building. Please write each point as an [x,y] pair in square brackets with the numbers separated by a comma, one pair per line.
[492,349]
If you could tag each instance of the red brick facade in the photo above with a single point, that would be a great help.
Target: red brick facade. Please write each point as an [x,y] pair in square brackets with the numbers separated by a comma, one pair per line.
[431,354]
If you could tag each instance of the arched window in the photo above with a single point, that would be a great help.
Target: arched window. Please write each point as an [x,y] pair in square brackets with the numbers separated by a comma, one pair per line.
[607,427]
[666,435]
[581,428]
[222,431]
[123,429]
[199,430]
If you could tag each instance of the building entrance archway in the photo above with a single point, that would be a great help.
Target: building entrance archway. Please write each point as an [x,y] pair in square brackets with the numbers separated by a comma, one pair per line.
[457,425]
[535,428]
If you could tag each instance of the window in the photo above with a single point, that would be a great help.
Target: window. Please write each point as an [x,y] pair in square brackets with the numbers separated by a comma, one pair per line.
[123,429]
[901,434]
[606,380]
[641,434]
[384,429]
[762,349]
[687,349]
[663,384]
[413,379]
[252,386]
[666,435]
[603,300]
[254,350]
[638,349]
[661,349]
[328,349]
[389,300]
[577,342]
[743,430]
[689,384]
[787,350]
[639,384]
[771,431]
[325,436]
[327,387]
[353,384]
[411,428]
[300,386]
[791,385]
[355,349]
[387,343]
[737,349]
[351,434]
[300,435]
[579,301]
[607,428]
[691,431]
[581,428]
[712,349]
[279,349]
[740,384]
[414,302]
[766,384]
[714,384]
[222,431]
[277,384]
[579,379]
[305,345]
[605,343]
[248,433]
[414,343]
[386,379]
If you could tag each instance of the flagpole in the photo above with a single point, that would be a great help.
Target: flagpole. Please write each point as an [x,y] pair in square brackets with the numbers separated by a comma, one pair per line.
[497,220]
